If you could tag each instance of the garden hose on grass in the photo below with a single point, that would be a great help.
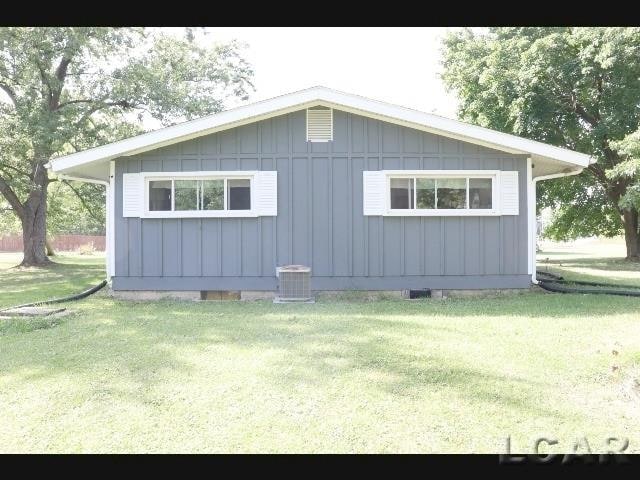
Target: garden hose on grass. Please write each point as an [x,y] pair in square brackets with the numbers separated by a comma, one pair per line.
[556,283]
[70,298]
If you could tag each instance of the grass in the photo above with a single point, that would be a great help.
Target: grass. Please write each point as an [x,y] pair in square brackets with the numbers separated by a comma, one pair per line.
[591,260]
[70,274]
[391,376]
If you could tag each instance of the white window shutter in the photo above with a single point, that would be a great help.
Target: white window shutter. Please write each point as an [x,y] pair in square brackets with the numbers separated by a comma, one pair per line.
[319,124]
[374,190]
[509,197]
[266,193]
[132,194]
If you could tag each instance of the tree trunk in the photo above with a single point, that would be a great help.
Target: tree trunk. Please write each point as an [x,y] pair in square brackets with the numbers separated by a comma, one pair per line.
[34,221]
[631,234]
[629,219]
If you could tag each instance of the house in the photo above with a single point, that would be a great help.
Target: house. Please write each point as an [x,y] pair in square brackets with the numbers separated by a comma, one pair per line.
[371,196]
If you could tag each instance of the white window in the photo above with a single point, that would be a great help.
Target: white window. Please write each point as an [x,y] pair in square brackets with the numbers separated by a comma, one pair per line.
[431,193]
[440,193]
[195,194]
[200,194]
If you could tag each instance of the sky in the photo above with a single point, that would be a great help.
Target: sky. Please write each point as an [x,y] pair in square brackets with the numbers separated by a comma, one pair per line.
[396,65]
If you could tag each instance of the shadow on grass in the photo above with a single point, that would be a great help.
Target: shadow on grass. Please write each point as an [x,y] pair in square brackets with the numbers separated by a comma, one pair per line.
[599,263]
[311,345]
[367,344]
[24,285]
[25,325]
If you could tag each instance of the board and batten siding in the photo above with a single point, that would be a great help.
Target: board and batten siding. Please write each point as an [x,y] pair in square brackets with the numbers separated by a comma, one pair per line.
[320,220]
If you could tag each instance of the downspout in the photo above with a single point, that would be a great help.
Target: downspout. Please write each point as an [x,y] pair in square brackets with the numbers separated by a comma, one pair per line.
[532,214]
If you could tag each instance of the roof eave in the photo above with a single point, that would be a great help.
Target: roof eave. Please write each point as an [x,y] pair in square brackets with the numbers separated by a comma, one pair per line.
[318,95]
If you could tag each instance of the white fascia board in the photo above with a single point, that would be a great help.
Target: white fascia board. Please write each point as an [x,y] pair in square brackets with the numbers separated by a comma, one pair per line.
[174,134]
[447,127]
[319,96]
[83,179]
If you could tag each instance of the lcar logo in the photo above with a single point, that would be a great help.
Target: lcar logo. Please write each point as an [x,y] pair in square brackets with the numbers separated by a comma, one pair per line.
[580,451]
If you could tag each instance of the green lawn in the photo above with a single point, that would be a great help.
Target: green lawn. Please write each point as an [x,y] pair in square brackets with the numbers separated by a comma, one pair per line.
[457,375]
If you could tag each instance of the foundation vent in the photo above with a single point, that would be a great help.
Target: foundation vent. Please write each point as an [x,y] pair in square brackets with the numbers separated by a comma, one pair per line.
[294,284]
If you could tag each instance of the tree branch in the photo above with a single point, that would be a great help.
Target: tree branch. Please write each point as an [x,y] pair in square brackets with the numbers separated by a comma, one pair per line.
[99,106]
[11,197]
[82,201]
[99,103]
[45,82]
[9,91]
[592,120]
[15,169]
[71,102]
[60,74]
[61,71]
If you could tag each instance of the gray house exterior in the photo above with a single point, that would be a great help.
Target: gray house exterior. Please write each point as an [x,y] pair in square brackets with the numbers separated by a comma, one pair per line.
[321,220]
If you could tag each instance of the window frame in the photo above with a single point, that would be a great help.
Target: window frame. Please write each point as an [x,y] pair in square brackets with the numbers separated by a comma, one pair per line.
[209,175]
[494,175]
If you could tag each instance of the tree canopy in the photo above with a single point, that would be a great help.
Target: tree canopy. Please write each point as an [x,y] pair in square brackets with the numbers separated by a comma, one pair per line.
[70,88]
[577,88]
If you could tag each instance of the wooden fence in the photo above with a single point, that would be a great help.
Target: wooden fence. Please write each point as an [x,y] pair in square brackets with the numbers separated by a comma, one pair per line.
[13,243]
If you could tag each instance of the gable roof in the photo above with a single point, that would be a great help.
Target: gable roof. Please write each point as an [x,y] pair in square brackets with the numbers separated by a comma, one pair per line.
[80,163]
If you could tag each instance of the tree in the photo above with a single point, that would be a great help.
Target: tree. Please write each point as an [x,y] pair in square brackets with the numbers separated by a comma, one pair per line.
[69,88]
[577,88]
[72,208]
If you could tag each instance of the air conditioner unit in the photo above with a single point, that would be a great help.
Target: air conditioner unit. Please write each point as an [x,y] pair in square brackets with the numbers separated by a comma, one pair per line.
[294,284]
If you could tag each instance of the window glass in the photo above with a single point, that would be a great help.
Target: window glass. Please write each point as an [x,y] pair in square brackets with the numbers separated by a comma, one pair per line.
[239,194]
[452,192]
[401,193]
[212,194]
[480,193]
[425,193]
[186,194]
[159,195]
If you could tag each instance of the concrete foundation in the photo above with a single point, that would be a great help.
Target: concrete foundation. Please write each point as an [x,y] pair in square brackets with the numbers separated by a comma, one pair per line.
[323,295]
[497,292]
[357,295]
[149,295]
[250,295]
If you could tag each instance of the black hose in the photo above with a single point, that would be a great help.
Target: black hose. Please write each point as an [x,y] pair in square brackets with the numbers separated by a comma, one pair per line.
[596,284]
[556,283]
[78,296]
[549,275]
[558,279]
[562,288]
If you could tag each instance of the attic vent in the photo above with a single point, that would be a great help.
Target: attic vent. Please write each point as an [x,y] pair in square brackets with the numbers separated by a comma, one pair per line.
[294,285]
[319,124]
